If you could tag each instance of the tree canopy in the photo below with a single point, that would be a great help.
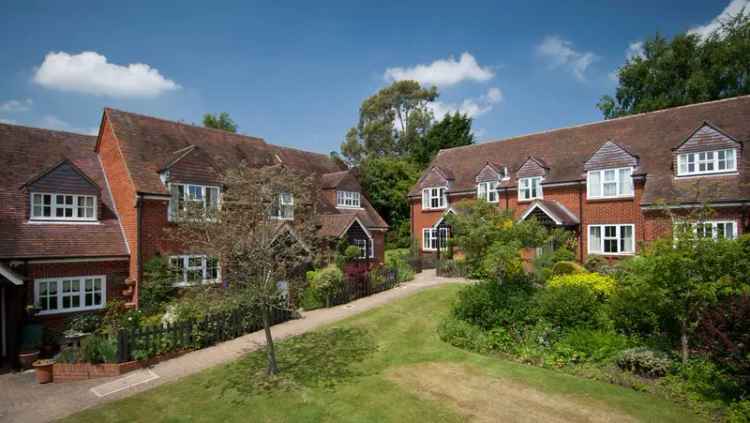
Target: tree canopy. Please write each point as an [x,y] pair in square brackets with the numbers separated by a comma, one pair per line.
[221,121]
[454,130]
[687,69]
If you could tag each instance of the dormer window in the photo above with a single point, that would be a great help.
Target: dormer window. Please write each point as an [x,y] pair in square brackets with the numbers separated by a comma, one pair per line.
[347,199]
[283,209]
[192,196]
[73,207]
[707,162]
[487,191]
[434,198]
[530,188]
[610,183]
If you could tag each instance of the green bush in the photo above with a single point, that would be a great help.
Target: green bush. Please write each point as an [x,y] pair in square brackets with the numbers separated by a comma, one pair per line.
[326,283]
[352,253]
[98,349]
[571,305]
[545,263]
[598,264]
[591,344]
[489,304]
[310,301]
[157,287]
[461,334]
[398,260]
[567,268]
[603,286]
[644,362]
[739,412]
[83,322]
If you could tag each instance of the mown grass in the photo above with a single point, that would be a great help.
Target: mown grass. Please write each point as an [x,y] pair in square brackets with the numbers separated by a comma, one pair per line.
[344,373]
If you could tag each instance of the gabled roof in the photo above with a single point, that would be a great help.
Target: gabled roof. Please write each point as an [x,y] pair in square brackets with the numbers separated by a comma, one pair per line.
[609,155]
[554,210]
[53,168]
[23,152]
[651,136]
[709,131]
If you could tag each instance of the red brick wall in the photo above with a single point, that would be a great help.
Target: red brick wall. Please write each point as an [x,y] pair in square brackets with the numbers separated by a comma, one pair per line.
[115,271]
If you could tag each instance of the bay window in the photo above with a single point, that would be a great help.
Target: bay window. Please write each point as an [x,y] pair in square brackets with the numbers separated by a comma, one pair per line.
[487,191]
[434,198]
[46,206]
[347,199]
[431,237]
[610,183]
[68,294]
[194,269]
[192,196]
[611,239]
[530,188]
[706,162]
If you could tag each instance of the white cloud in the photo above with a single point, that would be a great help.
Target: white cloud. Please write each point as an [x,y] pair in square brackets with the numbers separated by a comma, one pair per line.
[13,106]
[90,73]
[733,9]
[57,124]
[8,121]
[443,72]
[472,107]
[635,49]
[561,54]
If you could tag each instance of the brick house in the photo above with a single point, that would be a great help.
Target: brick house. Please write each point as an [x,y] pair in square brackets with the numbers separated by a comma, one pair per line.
[79,215]
[608,181]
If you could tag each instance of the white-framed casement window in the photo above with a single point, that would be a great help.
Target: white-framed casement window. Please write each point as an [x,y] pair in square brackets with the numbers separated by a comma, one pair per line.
[431,236]
[283,209]
[434,198]
[195,269]
[611,239]
[348,199]
[185,196]
[365,248]
[487,191]
[711,229]
[68,294]
[530,188]
[610,183]
[706,162]
[47,206]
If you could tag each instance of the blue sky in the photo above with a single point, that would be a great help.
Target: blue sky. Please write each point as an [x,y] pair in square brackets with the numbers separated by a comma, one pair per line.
[295,74]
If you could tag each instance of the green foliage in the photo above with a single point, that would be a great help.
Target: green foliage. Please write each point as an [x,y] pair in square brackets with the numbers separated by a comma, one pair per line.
[83,322]
[310,300]
[739,412]
[567,268]
[570,306]
[687,69]
[489,304]
[545,263]
[157,287]
[595,345]
[603,286]
[352,253]
[398,259]
[645,362]
[598,264]
[326,283]
[316,359]
[221,121]
[98,349]
[454,130]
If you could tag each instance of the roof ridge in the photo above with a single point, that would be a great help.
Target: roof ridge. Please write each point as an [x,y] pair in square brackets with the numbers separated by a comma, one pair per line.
[600,122]
[48,130]
[188,124]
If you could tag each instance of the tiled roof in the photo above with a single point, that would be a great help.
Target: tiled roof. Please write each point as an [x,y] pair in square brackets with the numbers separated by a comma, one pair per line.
[24,153]
[555,210]
[650,136]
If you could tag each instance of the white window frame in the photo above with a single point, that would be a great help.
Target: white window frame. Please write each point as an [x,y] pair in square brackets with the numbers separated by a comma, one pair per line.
[685,159]
[429,235]
[172,210]
[485,191]
[527,184]
[432,195]
[54,206]
[348,200]
[618,185]
[282,204]
[185,258]
[364,245]
[81,293]
[618,237]
[714,225]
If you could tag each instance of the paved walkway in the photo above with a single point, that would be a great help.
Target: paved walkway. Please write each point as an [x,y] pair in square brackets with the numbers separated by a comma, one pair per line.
[22,400]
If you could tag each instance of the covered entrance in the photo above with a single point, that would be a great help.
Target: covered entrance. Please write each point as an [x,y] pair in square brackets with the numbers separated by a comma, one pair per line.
[551,214]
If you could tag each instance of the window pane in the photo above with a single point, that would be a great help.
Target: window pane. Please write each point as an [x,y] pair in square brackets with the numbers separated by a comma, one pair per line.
[626,239]
[610,189]
[610,245]
[595,239]
[625,181]
[595,189]
[610,231]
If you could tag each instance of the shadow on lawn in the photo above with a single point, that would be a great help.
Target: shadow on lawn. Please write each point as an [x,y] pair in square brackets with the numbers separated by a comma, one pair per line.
[316,359]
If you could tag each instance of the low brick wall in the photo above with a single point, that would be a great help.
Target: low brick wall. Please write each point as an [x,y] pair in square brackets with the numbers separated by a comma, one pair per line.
[67,372]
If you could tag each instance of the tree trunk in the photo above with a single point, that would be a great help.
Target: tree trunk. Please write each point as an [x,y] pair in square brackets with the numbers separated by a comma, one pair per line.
[684,342]
[270,351]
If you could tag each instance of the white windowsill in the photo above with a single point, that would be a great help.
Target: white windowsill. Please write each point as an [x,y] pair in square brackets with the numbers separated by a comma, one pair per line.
[615,197]
[700,175]
[70,310]
[62,222]
[350,207]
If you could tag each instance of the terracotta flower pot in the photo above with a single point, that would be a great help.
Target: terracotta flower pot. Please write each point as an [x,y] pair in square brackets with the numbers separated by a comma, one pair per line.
[27,358]
[43,370]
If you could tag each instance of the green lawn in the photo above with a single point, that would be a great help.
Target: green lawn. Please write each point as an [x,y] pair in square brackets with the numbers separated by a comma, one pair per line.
[404,374]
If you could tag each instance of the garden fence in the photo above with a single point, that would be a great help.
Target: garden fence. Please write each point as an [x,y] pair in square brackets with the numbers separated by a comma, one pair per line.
[147,342]
[359,285]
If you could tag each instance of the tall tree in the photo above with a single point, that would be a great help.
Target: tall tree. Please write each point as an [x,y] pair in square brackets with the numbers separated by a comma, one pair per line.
[221,121]
[454,130]
[687,69]
[390,122]
[255,249]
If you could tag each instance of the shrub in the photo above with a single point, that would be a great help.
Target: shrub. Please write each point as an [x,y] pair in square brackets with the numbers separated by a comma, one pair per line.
[571,305]
[739,412]
[452,268]
[603,286]
[598,264]
[567,268]
[352,253]
[398,260]
[545,263]
[83,322]
[98,349]
[326,283]
[592,344]
[724,334]
[310,301]
[461,334]
[157,287]
[644,362]
[491,304]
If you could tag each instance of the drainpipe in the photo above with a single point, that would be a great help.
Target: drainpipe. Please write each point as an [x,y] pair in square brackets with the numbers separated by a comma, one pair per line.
[138,247]
[581,227]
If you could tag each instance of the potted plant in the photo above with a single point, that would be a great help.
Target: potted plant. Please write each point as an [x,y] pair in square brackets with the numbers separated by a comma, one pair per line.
[28,355]
[43,370]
